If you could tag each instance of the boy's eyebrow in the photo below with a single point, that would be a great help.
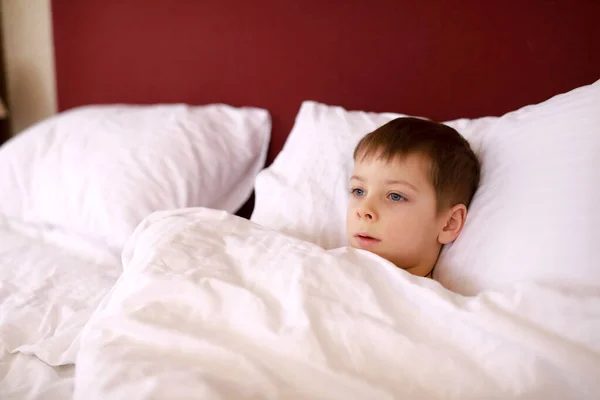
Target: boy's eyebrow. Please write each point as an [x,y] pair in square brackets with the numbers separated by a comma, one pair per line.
[393,182]
[389,182]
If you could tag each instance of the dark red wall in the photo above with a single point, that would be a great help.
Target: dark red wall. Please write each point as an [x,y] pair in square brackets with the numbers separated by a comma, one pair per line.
[440,59]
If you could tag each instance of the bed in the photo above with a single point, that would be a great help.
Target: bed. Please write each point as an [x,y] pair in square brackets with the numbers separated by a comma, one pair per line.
[126,273]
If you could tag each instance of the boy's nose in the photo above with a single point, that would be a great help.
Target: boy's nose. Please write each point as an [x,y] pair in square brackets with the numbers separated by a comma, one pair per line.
[366,213]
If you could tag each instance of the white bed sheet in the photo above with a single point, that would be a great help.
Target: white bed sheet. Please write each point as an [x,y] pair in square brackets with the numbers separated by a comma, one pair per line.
[215,307]
[50,283]
[24,377]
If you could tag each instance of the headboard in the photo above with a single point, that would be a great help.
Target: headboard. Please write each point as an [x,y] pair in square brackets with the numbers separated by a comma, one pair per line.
[439,59]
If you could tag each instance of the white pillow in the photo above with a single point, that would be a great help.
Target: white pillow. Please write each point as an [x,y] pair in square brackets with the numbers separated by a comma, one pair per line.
[536,215]
[98,171]
[304,193]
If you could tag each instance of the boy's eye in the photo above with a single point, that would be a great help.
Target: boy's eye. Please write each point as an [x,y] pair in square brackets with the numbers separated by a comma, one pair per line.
[396,197]
[357,192]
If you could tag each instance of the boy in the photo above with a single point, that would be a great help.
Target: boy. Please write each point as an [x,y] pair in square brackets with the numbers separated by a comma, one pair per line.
[411,185]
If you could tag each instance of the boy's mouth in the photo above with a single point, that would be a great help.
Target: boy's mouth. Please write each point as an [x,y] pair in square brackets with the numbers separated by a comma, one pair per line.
[364,240]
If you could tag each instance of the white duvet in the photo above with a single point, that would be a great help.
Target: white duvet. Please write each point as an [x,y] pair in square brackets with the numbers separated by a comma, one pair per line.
[50,284]
[212,306]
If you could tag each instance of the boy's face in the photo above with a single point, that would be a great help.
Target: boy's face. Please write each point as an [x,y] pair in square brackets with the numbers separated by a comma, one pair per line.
[393,212]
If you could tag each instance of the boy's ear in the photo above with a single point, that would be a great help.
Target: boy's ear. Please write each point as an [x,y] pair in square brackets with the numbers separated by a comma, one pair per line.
[454,220]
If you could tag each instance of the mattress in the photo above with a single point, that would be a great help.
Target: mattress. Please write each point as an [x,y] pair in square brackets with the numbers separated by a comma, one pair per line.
[50,283]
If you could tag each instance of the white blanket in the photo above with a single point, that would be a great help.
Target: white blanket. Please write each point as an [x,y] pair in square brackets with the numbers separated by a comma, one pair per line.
[50,284]
[212,306]
[24,377]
